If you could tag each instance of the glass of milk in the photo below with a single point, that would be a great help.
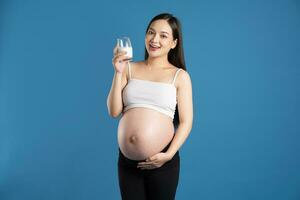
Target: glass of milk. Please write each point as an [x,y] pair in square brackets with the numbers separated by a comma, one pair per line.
[124,44]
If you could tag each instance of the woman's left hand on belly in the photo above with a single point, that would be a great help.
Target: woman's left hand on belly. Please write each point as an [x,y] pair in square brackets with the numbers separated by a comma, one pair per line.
[154,161]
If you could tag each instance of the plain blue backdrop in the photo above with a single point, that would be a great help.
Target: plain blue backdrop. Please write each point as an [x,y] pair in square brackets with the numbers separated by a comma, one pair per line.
[57,140]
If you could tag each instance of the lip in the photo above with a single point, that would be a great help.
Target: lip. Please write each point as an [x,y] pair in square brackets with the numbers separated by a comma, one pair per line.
[155,48]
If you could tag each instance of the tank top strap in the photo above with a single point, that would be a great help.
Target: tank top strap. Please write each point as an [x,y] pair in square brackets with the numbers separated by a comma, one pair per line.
[129,70]
[176,76]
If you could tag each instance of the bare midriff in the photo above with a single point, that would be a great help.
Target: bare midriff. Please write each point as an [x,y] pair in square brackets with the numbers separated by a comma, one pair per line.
[143,132]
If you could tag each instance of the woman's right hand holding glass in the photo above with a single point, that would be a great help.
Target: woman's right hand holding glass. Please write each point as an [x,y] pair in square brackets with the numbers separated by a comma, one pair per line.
[119,60]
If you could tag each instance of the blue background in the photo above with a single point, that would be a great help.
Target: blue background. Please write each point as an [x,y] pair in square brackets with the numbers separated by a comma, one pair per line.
[57,140]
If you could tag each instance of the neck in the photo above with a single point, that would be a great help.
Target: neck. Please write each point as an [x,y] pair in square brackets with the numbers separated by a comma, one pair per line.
[157,62]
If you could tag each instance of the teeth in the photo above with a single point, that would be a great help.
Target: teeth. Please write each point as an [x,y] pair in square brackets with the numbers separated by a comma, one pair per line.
[154,46]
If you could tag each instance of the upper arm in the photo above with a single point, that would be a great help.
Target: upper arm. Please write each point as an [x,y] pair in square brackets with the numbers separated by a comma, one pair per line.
[185,97]
[125,76]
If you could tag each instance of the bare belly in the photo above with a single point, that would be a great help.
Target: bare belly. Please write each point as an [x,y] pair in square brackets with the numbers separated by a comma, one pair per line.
[143,132]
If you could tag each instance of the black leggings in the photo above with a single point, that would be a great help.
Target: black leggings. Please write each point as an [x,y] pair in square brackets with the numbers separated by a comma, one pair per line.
[148,184]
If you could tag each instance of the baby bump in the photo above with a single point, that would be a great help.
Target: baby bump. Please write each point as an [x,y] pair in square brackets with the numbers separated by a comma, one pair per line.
[143,132]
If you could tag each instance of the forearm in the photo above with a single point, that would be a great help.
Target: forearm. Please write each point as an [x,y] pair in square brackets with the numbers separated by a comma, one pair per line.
[181,135]
[114,99]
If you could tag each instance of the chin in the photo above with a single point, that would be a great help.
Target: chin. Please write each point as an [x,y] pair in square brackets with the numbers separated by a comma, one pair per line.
[154,55]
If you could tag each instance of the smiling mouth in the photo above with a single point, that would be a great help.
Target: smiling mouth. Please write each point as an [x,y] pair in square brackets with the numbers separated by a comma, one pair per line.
[153,48]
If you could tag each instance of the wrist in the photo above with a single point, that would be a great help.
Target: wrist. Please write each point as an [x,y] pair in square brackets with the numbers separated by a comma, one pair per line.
[169,155]
[118,73]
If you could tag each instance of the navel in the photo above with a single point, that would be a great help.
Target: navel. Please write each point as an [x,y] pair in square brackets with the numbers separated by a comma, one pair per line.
[133,139]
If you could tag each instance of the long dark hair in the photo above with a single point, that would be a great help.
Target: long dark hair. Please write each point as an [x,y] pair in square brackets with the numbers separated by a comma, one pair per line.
[175,56]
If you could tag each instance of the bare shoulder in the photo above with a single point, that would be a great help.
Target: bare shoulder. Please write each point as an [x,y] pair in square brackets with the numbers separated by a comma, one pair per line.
[183,79]
[132,65]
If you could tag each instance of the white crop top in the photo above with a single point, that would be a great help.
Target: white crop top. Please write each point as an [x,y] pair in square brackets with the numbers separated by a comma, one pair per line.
[155,95]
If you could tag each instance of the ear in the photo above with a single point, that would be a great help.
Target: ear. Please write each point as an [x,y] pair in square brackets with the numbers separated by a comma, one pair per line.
[174,43]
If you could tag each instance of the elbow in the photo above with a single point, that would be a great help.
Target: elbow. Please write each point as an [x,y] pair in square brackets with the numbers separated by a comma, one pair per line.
[187,123]
[113,113]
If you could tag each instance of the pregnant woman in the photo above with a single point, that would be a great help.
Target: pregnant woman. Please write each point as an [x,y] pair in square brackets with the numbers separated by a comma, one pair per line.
[154,98]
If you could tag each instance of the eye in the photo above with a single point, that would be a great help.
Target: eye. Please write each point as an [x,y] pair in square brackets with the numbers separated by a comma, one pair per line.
[150,32]
[163,36]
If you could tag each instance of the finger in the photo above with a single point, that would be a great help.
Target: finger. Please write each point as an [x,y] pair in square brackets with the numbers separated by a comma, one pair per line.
[148,168]
[115,60]
[123,58]
[152,159]
[120,56]
[115,50]
[145,167]
[118,52]
[119,59]
[145,163]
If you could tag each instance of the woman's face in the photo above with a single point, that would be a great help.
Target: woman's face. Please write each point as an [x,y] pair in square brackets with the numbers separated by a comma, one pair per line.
[159,39]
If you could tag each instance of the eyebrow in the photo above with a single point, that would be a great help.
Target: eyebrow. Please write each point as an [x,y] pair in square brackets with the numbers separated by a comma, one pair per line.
[161,31]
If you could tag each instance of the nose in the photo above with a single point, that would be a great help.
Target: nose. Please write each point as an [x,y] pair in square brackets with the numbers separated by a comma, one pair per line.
[155,38]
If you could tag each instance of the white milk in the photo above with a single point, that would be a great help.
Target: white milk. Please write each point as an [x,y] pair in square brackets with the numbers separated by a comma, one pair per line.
[127,49]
